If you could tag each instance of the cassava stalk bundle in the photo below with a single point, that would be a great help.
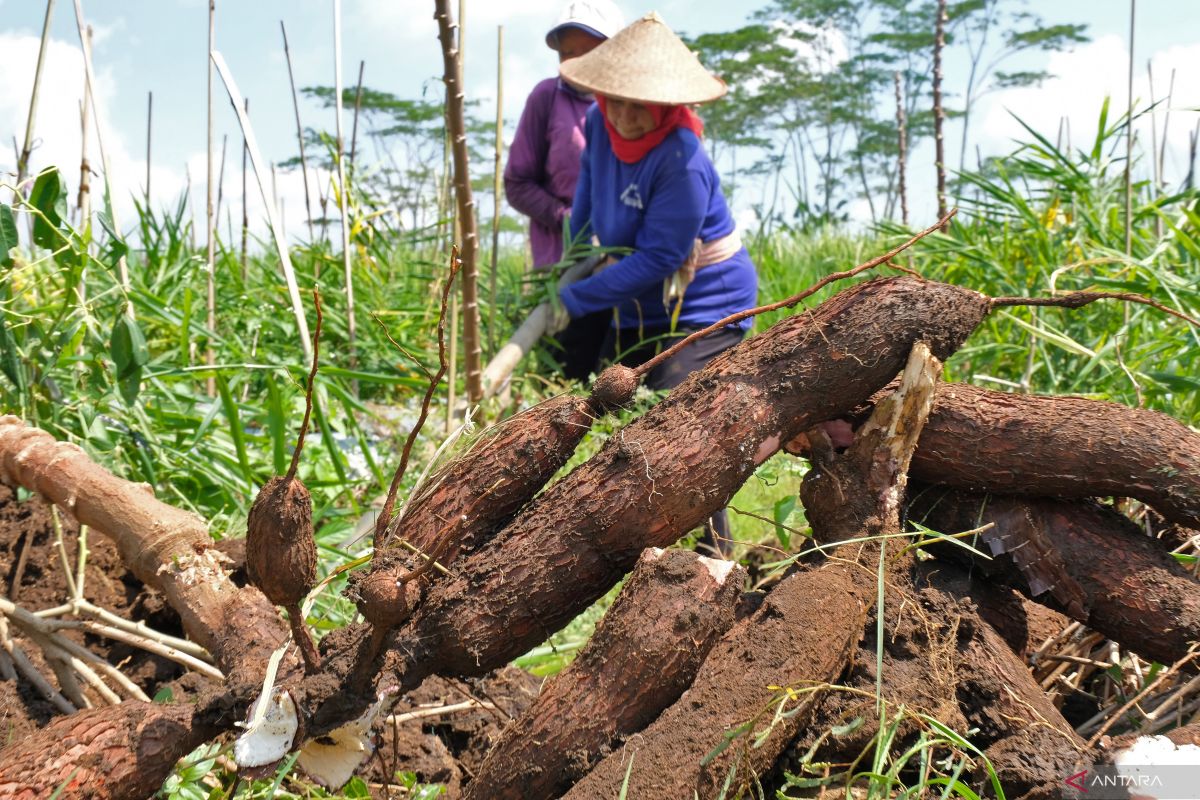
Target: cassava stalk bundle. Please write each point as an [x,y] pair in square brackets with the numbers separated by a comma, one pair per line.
[281,555]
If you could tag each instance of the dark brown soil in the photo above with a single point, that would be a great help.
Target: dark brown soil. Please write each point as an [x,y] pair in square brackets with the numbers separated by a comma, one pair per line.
[449,748]
[28,526]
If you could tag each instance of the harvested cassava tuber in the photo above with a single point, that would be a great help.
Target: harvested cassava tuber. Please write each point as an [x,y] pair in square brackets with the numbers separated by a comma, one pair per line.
[614,387]
[281,556]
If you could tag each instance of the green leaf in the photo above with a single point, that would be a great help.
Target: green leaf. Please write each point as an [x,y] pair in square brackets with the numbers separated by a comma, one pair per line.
[849,727]
[1174,382]
[276,425]
[128,346]
[130,386]
[129,355]
[10,356]
[116,248]
[236,429]
[784,507]
[356,789]
[8,235]
[49,196]
[164,695]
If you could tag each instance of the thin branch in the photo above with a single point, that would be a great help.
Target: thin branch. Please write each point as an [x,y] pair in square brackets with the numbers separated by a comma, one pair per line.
[385,515]
[1080,299]
[308,402]
[401,347]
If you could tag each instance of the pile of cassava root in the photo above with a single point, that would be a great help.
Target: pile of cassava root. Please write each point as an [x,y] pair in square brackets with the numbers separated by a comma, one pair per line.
[486,561]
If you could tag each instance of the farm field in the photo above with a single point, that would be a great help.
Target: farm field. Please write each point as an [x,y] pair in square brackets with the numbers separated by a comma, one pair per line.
[282,515]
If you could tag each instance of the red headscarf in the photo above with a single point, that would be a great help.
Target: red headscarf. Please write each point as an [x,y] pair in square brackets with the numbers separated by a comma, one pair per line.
[666,119]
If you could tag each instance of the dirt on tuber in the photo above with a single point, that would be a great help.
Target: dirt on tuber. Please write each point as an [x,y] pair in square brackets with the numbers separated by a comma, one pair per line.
[281,553]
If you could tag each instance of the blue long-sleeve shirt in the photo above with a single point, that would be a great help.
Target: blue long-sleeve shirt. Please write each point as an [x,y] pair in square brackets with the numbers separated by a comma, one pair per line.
[657,206]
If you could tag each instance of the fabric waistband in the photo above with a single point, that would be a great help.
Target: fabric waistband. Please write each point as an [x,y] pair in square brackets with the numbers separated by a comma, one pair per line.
[704,254]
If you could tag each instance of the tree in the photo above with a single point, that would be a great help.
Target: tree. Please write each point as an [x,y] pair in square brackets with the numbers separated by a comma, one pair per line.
[1019,31]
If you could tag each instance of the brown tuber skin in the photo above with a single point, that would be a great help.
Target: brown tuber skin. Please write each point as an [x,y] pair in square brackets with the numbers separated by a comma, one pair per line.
[281,554]
[614,388]
[281,557]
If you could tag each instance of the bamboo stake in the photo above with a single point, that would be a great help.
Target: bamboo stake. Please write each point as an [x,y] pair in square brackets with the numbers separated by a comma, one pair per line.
[902,151]
[30,120]
[357,109]
[85,43]
[81,199]
[1162,150]
[187,192]
[939,113]
[1193,140]
[210,357]
[446,236]
[274,188]
[342,187]
[220,182]
[453,73]
[285,260]
[84,199]
[1129,140]
[1153,128]
[496,187]
[287,54]
[149,120]
[245,209]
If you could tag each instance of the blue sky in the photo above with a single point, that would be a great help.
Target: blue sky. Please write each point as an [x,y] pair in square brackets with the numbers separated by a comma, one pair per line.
[160,46]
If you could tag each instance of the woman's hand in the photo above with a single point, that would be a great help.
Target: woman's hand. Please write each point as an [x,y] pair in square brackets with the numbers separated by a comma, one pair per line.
[559,317]
[605,264]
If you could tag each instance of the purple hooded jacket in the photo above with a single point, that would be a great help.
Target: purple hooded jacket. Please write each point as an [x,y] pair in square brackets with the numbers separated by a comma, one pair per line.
[543,164]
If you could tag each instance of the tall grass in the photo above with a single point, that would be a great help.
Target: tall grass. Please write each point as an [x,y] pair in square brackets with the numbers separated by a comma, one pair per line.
[65,367]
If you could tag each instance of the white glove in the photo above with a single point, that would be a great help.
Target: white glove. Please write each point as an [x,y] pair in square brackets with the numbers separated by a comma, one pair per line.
[558,318]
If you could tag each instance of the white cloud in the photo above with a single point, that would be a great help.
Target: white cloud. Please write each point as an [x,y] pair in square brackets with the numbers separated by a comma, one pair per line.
[1083,78]
[58,138]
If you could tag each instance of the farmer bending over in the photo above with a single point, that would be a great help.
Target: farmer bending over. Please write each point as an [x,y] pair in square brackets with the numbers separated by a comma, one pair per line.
[646,183]
[543,163]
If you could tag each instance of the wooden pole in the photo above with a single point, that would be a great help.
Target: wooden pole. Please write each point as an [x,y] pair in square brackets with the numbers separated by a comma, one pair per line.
[220,183]
[281,248]
[1129,140]
[245,211]
[287,55]
[149,138]
[210,357]
[357,109]
[85,44]
[939,113]
[342,187]
[496,187]
[30,120]
[453,72]
[901,151]
[83,200]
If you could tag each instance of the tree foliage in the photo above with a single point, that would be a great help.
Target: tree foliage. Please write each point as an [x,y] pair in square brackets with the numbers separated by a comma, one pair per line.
[811,100]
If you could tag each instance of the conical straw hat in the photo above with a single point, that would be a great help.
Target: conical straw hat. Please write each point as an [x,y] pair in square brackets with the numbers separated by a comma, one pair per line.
[646,63]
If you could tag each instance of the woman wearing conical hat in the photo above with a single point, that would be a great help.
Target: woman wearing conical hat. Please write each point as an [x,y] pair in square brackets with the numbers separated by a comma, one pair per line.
[543,163]
[646,183]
